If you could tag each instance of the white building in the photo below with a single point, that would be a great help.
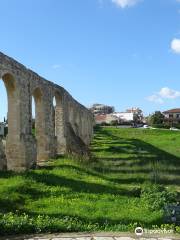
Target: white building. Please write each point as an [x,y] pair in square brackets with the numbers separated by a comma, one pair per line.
[125,116]
[106,118]
[131,115]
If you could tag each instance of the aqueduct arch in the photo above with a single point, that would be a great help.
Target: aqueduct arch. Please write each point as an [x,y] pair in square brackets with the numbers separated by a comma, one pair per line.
[12,97]
[39,118]
[58,130]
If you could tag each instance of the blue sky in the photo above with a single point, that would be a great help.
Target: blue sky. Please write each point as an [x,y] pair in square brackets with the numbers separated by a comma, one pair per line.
[124,53]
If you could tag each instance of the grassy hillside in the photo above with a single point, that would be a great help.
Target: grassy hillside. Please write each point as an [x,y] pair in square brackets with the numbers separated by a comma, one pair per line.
[138,155]
[115,191]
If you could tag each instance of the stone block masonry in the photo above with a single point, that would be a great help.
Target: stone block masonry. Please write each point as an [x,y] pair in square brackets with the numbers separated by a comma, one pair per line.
[64,128]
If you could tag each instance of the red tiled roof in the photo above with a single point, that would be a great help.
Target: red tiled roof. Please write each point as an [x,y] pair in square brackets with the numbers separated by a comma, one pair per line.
[175,110]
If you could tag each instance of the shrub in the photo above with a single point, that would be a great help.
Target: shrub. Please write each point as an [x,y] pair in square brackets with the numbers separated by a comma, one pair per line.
[177,125]
[114,123]
[13,223]
[156,197]
[104,124]
[156,118]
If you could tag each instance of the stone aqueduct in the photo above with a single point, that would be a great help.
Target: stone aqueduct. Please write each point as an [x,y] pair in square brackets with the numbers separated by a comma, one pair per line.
[66,128]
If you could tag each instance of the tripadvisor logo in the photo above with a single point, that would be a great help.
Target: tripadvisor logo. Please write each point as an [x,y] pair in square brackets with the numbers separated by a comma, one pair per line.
[139,231]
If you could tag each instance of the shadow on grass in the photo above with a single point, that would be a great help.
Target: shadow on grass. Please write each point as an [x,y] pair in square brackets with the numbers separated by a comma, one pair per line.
[14,198]
[11,205]
[136,154]
[79,186]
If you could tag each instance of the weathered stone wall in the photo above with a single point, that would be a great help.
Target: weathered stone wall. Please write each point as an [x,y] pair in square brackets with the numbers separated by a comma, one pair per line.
[58,130]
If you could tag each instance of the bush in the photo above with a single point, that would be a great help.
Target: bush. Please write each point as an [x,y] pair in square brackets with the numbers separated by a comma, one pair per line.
[14,223]
[156,197]
[177,125]
[156,118]
[105,124]
[166,125]
[114,123]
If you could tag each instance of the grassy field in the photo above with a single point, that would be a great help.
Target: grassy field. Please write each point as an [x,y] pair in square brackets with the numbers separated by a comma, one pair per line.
[116,191]
[138,155]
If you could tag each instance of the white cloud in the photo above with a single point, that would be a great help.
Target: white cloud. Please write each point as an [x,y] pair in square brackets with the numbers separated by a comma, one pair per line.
[169,93]
[125,3]
[155,98]
[164,94]
[175,45]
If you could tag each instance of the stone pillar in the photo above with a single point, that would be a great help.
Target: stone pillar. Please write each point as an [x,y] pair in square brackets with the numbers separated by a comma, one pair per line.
[60,124]
[20,145]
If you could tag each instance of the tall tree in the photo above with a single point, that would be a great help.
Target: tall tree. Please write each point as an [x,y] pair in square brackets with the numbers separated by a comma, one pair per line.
[157,118]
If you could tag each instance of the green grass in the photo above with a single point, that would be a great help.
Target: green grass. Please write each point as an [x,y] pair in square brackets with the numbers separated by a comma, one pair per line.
[101,195]
[134,156]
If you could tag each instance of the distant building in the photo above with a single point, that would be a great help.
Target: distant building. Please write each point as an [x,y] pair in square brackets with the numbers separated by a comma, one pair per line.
[105,118]
[99,119]
[124,116]
[172,115]
[134,110]
[106,114]
[132,115]
[101,109]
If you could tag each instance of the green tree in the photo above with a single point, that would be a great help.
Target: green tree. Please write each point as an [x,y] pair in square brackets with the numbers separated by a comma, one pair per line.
[157,118]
